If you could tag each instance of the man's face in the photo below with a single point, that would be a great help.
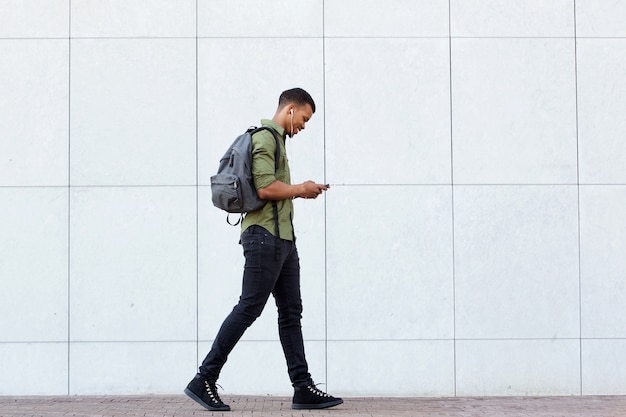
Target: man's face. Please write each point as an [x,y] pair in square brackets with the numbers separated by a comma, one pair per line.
[301,115]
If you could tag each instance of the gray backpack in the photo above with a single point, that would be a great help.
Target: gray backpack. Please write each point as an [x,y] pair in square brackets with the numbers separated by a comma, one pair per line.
[232,188]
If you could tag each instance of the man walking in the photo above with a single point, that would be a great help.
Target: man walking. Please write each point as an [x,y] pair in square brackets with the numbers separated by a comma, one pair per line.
[272,265]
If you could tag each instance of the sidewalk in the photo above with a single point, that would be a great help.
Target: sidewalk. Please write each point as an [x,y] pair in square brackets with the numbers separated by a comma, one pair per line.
[180,405]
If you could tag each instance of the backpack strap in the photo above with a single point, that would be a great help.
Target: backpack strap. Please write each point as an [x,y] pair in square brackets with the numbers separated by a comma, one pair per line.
[276,162]
[254,130]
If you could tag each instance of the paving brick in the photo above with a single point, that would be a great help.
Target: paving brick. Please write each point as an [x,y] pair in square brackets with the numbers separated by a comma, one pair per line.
[255,406]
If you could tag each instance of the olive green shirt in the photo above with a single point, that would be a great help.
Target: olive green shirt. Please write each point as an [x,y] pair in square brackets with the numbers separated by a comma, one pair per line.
[263,172]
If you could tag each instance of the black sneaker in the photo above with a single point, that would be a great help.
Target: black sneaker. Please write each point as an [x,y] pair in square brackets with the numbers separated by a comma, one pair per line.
[204,392]
[309,397]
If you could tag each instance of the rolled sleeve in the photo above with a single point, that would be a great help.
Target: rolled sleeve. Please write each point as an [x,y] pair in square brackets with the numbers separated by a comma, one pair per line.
[263,163]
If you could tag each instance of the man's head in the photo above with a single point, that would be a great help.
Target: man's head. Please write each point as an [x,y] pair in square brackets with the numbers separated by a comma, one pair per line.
[295,108]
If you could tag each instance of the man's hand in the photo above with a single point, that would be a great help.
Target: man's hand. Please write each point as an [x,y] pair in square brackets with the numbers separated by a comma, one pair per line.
[311,189]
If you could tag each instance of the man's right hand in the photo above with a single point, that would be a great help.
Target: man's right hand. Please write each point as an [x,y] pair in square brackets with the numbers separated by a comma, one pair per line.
[311,189]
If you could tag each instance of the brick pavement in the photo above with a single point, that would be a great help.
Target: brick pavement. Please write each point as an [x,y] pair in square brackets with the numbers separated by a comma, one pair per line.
[253,406]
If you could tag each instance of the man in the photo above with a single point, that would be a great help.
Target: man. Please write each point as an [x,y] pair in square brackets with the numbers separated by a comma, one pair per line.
[272,265]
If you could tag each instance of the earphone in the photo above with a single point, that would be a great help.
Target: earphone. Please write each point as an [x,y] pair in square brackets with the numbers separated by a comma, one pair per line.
[291,111]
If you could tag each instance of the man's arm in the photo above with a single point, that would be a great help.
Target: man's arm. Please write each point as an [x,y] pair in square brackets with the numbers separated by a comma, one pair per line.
[278,190]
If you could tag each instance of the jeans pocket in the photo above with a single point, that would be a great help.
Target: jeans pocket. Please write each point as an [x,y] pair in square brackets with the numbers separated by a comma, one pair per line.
[251,244]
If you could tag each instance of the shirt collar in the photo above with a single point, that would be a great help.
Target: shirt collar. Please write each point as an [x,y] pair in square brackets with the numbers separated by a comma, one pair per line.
[278,128]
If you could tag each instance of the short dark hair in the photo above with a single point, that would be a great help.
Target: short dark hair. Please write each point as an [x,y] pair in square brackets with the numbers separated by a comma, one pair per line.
[296,95]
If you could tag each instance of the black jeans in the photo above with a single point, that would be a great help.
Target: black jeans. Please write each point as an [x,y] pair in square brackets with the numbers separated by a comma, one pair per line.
[263,275]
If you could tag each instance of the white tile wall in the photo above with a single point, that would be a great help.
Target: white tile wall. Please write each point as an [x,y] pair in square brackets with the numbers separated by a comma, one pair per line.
[34,118]
[600,18]
[34,19]
[516,262]
[33,266]
[389,268]
[603,238]
[603,366]
[518,367]
[260,19]
[514,111]
[133,264]
[126,367]
[133,118]
[511,18]
[602,104]
[425,367]
[388,106]
[133,18]
[473,233]
[396,18]
[19,360]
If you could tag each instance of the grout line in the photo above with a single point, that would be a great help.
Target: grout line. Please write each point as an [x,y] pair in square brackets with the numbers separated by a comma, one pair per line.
[75,342]
[347,37]
[69,196]
[580,316]
[109,186]
[197,210]
[452,198]
[382,340]
[325,197]
[456,184]
[471,339]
